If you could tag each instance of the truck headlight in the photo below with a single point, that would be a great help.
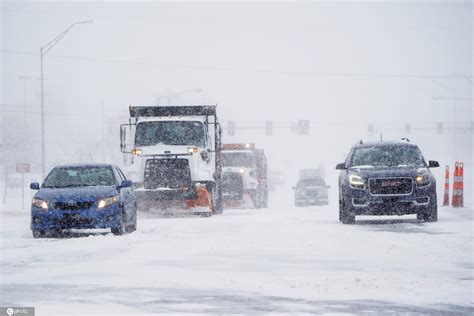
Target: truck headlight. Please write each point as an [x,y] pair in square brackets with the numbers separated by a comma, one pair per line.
[107,201]
[42,204]
[356,181]
[193,150]
[137,151]
[422,178]
[242,171]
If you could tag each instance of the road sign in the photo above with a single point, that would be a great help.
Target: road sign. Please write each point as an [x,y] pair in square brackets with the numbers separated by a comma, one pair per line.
[23,168]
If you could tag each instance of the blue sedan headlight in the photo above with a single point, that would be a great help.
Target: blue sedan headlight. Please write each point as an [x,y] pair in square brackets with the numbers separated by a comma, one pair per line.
[107,201]
[42,204]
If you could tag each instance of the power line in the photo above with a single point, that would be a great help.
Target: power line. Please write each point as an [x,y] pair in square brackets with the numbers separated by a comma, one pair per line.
[256,70]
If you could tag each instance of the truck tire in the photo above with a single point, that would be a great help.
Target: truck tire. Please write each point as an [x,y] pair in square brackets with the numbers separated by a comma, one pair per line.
[254,198]
[133,226]
[265,199]
[260,198]
[216,198]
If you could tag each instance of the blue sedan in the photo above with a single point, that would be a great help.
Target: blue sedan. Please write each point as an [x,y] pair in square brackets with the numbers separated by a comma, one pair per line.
[84,196]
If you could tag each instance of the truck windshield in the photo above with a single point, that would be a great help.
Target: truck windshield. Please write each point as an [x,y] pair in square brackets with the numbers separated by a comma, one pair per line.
[236,159]
[387,156]
[190,133]
[68,177]
[311,182]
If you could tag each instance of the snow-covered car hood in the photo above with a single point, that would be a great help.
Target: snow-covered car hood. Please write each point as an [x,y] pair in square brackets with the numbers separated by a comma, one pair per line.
[80,194]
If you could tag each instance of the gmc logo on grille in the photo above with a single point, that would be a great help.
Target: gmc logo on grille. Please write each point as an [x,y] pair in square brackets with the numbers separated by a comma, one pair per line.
[390,184]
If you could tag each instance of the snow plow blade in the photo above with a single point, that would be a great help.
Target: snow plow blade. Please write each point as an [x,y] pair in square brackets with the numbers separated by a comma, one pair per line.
[202,204]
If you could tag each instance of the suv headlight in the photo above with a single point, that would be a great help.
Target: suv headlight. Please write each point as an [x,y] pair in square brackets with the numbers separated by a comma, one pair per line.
[42,204]
[422,178]
[107,201]
[356,181]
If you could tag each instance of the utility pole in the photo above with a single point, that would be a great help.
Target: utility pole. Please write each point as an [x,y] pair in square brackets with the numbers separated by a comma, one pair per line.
[104,149]
[24,140]
[43,51]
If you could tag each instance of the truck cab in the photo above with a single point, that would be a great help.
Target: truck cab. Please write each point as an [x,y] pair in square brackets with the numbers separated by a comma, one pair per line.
[244,172]
[173,155]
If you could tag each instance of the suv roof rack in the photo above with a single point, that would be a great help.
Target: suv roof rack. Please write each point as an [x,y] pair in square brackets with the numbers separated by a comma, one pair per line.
[406,139]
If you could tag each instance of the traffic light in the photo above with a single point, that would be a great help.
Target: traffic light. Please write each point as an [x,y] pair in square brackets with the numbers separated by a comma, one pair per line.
[231,128]
[302,127]
[370,130]
[440,128]
[269,128]
[407,129]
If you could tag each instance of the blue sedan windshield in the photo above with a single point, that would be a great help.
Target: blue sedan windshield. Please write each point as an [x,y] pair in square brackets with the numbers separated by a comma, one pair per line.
[66,177]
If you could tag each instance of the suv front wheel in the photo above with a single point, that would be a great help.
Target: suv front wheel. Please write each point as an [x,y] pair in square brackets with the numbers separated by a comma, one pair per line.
[430,213]
[346,213]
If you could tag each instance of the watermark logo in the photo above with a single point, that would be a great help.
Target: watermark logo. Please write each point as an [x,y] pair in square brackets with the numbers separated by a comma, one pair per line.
[17,311]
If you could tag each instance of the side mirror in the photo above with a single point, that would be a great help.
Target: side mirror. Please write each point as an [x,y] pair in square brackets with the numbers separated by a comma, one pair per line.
[328,186]
[293,188]
[126,184]
[341,166]
[433,164]
[34,186]
[205,155]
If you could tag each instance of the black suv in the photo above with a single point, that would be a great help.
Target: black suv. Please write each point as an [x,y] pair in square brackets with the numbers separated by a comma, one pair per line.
[311,191]
[386,178]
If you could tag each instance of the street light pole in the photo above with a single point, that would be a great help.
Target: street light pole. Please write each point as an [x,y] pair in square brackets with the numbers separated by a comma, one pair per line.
[43,51]
[43,154]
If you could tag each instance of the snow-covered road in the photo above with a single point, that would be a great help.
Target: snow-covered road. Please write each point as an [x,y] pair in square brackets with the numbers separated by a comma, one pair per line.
[277,260]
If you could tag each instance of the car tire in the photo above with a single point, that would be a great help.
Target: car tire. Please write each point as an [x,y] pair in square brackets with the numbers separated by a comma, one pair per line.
[120,230]
[346,213]
[37,233]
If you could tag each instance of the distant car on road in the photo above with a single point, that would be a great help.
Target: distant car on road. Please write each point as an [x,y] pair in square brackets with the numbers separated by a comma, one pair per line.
[311,191]
[83,196]
[387,178]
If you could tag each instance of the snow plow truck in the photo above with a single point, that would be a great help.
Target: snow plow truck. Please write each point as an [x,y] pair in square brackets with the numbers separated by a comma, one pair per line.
[173,155]
[244,176]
